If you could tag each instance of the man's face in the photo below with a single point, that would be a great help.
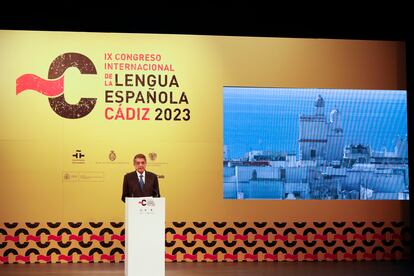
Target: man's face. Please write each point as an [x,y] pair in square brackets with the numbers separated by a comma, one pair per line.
[140,165]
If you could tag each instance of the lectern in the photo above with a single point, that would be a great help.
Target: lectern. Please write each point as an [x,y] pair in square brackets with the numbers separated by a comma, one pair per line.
[145,236]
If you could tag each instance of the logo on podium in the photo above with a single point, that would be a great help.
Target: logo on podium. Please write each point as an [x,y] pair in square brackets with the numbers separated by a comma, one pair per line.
[148,202]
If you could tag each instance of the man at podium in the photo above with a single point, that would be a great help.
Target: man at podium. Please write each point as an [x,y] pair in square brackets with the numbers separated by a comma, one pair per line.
[140,183]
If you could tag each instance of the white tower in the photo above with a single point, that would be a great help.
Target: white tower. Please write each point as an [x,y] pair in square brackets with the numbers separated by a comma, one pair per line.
[335,143]
[335,119]
[313,132]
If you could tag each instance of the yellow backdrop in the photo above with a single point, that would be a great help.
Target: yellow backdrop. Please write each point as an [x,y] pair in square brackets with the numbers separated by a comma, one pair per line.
[41,181]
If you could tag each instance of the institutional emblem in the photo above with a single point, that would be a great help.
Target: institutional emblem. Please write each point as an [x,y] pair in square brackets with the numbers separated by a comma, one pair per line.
[78,157]
[152,156]
[112,155]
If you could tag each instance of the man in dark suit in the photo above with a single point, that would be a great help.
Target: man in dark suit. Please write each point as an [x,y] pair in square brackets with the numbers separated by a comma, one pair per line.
[140,182]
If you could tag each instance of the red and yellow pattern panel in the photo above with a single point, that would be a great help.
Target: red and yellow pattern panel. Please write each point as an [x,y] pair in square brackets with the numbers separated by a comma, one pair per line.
[93,242]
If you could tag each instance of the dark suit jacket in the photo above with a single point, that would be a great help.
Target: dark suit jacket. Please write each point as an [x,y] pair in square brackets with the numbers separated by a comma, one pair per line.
[131,187]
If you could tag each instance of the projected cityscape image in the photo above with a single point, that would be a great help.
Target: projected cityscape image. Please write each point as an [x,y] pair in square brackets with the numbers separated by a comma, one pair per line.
[324,144]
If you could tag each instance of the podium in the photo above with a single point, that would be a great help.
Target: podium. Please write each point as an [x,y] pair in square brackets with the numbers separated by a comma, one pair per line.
[144,236]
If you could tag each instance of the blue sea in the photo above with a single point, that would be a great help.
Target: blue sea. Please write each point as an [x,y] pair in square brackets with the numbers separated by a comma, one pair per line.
[268,118]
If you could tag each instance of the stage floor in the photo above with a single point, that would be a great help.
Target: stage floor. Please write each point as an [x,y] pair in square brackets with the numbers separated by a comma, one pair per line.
[240,269]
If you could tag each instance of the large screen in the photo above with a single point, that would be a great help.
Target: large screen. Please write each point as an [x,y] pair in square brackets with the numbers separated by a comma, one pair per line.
[75,108]
[282,143]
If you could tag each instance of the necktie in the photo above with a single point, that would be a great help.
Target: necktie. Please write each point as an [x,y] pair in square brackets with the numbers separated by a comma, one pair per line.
[141,182]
